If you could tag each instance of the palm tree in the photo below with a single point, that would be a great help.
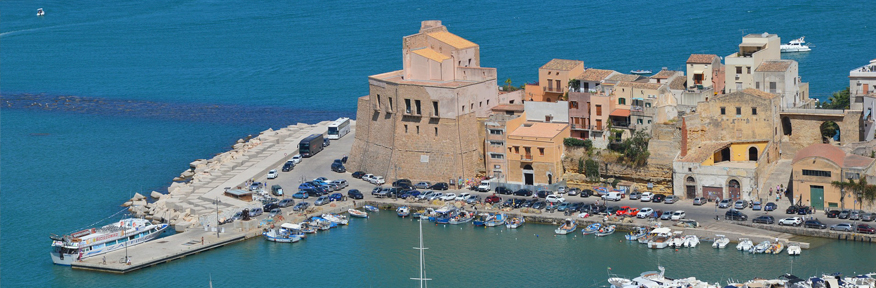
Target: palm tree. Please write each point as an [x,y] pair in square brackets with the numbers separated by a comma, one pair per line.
[844,188]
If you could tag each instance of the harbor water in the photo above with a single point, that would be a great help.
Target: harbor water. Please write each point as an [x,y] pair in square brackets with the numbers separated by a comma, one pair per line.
[100,100]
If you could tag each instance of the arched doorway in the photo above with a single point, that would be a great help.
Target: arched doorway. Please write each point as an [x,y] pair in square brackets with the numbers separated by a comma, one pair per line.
[528,175]
[786,126]
[690,187]
[550,178]
[734,189]
[830,130]
[752,154]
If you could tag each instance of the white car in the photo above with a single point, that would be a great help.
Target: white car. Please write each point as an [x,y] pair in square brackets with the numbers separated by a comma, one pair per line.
[645,213]
[378,180]
[426,195]
[561,190]
[553,198]
[646,196]
[272,174]
[793,221]
[341,183]
[296,159]
[449,197]
[462,196]
[436,196]
[484,186]
[367,177]
[613,196]
[677,215]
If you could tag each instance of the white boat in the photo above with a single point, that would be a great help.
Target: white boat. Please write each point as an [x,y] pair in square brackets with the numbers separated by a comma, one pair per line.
[793,249]
[496,220]
[761,247]
[568,226]
[640,72]
[653,279]
[691,241]
[403,211]
[515,222]
[796,45]
[307,228]
[357,213]
[721,242]
[605,231]
[296,230]
[461,217]
[660,238]
[335,218]
[95,241]
[370,208]
[745,244]
[640,232]
[40,12]
[677,240]
[282,235]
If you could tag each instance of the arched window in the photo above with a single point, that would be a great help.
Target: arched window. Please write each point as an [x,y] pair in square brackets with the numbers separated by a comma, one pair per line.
[752,154]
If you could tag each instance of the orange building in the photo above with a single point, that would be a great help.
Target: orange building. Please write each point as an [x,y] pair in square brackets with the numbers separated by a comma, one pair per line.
[553,80]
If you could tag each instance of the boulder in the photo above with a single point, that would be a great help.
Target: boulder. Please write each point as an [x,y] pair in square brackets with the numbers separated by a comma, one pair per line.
[187,174]
[156,222]
[138,196]
[181,226]
[155,195]
[128,204]
[140,203]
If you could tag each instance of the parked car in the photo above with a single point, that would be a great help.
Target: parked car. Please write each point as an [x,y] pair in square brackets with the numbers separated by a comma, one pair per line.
[562,207]
[848,227]
[462,196]
[612,196]
[756,206]
[622,211]
[378,180]
[574,191]
[439,186]
[355,194]
[288,166]
[275,212]
[670,199]
[646,196]
[367,177]
[700,201]
[523,192]
[764,219]
[855,215]
[770,206]
[387,192]
[270,206]
[554,198]
[543,193]
[832,213]
[341,183]
[336,197]
[255,211]
[503,190]
[301,206]
[657,198]
[791,221]
[632,212]
[805,210]
[666,216]
[585,193]
[561,190]
[286,203]
[844,214]
[814,223]
[734,214]
[277,190]
[358,174]
[472,199]
[865,228]
[791,210]
[449,197]
[635,196]
[645,213]
[322,200]
[272,174]
[300,195]
[724,203]
[575,207]
[484,186]
[539,205]
[677,215]
[423,185]
[338,167]
[867,217]
[493,199]
[402,183]
[740,204]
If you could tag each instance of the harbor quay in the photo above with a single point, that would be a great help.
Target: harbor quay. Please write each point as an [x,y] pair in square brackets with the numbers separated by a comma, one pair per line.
[198,231]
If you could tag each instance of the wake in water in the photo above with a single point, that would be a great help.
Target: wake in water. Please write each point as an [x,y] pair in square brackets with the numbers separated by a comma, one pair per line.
[266,116]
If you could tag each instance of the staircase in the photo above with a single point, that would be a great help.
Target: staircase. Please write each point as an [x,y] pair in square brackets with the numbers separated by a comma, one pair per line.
[779,174]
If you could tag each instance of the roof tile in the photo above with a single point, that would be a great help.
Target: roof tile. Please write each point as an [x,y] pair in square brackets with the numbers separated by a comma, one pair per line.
[452,40]
[701,58]
[562,64]
[595,75]
[774,66]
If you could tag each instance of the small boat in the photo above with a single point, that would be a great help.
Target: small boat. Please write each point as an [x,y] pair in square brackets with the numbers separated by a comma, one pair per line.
[461,217]
[660,238]
[568,226]
[307,228]
[776,248]
[357,213]
[429,214]
[640,232]
[296,230]
[370,208]
[654,279]
[677,240]
[322,224]
[720,242]
[745,244]
[793,249]
[592,228]
[496,220]
[279,236]
[481,219]
[761,247]
[605,231]
[335,218]
[641,72]
[403,211]
[796,45]
[691,241]
[40,12]
[514,222]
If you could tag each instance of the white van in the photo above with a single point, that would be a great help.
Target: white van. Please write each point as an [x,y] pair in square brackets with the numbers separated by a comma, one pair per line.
[614,196]
[485,186]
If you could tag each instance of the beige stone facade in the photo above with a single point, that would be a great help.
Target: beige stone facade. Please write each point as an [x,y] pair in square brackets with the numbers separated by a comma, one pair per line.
[740,66]
[817,166]
[535,151]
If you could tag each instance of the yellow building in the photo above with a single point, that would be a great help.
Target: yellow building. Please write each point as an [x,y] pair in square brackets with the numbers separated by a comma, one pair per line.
[814,169]
[535,151]
[553,80]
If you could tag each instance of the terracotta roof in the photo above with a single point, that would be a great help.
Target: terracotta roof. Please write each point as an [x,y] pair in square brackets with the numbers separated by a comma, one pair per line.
[639,85]
[701,58]
[624,77]
[826,151]
[452,40]
[703,152]
[431,54]
[857,161]
[595,75]
[509,107]
[620,113]
[562,64]
[677,83]
[774,66]
[539,129]
[664,74]
[759,93]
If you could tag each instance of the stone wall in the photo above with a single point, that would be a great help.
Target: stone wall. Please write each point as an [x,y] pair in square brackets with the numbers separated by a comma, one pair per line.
[805,128]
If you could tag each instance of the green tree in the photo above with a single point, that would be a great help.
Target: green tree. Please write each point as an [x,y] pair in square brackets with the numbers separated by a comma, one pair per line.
[508,84]
[845,188]
[839,100]
[591,169]
[589,144]
[829,129]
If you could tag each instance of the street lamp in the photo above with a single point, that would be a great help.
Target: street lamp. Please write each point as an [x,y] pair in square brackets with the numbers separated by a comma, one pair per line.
[217,217]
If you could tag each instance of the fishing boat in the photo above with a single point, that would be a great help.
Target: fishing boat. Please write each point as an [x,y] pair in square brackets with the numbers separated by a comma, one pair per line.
[720,242]
[514,222]
[654,279]
[322,224]
[370,208]
[592,228]
[403,211]
[796,45]
[677,239]
[639,232]
[794,249]
[660,238]
[497,220]
[761,247]
[605,231]
[481,219]
[461,217]
[335,218]
[691,241]
[357,213]
[429,214]
[40,12]
[95,241]
[568,226]
[640,72]
[745,244]
[280,236]
[307,228]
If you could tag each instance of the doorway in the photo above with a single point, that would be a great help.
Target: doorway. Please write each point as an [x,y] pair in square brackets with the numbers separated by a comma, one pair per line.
[734,190]
[528,175]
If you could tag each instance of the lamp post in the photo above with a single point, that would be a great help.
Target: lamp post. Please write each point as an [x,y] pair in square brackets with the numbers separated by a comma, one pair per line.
[217,218]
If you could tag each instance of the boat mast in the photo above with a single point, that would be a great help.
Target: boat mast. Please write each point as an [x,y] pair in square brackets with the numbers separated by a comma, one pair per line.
[422,277]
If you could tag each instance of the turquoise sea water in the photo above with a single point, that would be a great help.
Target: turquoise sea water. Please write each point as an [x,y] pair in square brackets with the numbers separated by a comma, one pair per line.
[163,83]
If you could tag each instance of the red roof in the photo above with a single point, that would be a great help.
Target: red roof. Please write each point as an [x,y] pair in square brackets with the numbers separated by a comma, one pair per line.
[620,113]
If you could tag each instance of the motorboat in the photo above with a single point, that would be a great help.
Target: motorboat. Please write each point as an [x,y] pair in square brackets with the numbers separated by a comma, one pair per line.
[745,244]
[461,217]
[605,231]
[403,211]
[775,248]
[677,239]
[357,213]
[796,45]
[335,218]
[691,241]
[296,230]
[428,214]
[40,12]
[514,222]
[654,279]
[370,208]
[660,238]
[592,228]
[639,232]
[720,242]
[481,219]
[279,236]
[793,249]
[641,72]
[307,228]
[568,226]
[762,247]
[321,224]
[497,220]
[95,241]
[443,214]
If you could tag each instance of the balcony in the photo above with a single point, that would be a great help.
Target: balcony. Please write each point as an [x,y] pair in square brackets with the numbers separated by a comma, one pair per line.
[553,89]
[526,158]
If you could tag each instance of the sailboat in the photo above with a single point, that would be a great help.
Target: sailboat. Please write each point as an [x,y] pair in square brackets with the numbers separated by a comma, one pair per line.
[422,277]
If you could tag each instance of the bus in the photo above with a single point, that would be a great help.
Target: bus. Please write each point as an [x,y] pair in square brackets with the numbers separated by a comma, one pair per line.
[339,128]
[311,145]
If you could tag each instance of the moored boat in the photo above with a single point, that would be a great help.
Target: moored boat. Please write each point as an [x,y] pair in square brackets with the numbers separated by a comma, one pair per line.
[95,241]
[357,213]
[745,244]
[335,218]
[761,247]
[307,228]
[497,220]
[514,222]
[481,219]
[461,217]
[403,211]
[568,226]
[794,249]
[720,242]
[776,248]
[796,45]
[691,241]
[605,231]
[592,228]
[653,279]
[660,238]
[370,208]
[277,235]
[639,232]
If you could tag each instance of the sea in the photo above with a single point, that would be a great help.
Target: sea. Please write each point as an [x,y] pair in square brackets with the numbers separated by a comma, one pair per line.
[103,99]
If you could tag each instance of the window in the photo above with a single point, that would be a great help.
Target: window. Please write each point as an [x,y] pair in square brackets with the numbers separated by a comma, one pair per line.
[639,121]
[598,110]
[390,105]
[497,143]
[550,84]
[417,105]
[559,87]
[471,107]
[378,101]
[480,104]
[738,86]
[748,70]
[488,102]
[435,108]
[407,106]
[496,131]
[497,156]
[647,104]
[739,70]
[406,128]
[753,110]
[436,131]
[463,108]
[772,87]
[418,129]
[622,101]
[757,85]
[649,121]
[852,175]
[517,149]
[738,111]
[573,104]
[723,111]
[497,167]
[818,173]
[541,151]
